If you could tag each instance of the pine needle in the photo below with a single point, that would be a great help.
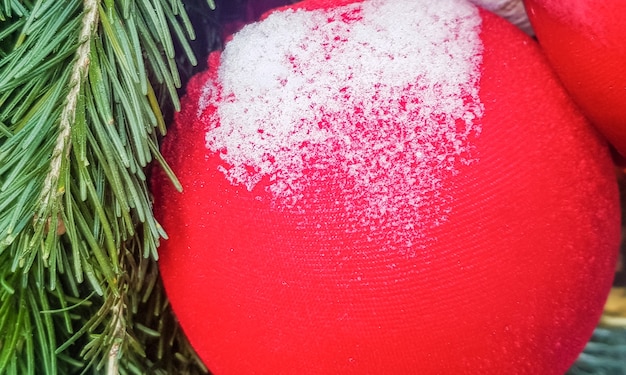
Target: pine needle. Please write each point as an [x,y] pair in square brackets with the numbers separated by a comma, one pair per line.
[81,97]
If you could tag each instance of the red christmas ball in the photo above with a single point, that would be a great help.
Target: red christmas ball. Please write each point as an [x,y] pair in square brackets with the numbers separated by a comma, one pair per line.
[585,41]
[385,187]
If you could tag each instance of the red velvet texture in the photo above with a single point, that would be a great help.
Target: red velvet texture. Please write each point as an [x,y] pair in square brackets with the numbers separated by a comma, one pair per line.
[512,282]
[586,44]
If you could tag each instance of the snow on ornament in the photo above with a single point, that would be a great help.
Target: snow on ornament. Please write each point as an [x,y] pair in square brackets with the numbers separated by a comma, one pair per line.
[385,187]
[585,41]
[333,95]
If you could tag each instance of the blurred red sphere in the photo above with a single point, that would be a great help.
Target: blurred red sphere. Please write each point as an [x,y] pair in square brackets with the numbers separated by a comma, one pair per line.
[585,42]
[501,266]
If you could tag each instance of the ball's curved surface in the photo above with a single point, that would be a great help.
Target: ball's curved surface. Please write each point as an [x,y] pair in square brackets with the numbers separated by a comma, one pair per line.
[464,222]
[585,41]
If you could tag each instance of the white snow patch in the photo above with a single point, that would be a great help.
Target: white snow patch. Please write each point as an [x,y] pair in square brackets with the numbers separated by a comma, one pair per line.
[384,92]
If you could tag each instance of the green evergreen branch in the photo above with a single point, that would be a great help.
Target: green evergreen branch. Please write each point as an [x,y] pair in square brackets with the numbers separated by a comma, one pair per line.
[51,191]
[81,92]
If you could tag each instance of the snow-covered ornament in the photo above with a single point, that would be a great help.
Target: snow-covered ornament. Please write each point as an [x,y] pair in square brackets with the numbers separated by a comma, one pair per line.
[585,41]
[385,187]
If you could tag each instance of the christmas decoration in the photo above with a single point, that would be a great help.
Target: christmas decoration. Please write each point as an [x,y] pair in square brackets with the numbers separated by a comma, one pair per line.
[385,187]
[584,41]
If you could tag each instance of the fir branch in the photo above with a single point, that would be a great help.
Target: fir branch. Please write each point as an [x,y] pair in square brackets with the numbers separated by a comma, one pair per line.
[79,72]
[81,92]
[119,330]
